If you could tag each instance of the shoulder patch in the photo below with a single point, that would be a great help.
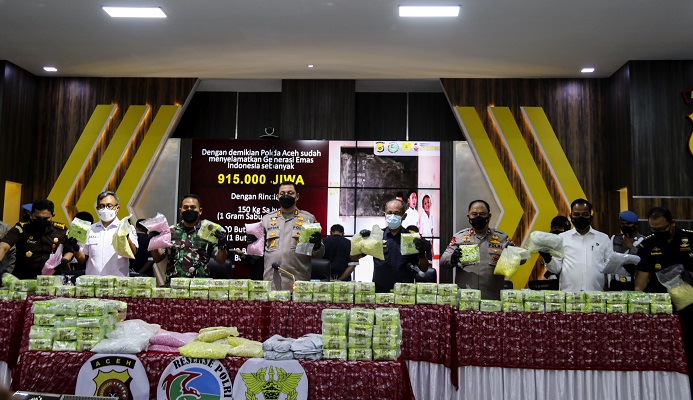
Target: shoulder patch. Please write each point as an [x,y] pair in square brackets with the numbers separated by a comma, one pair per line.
[59,225]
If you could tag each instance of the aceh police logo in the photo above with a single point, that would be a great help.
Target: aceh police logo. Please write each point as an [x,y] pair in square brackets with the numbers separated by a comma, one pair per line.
[117,376]
[269,386]
[113,384]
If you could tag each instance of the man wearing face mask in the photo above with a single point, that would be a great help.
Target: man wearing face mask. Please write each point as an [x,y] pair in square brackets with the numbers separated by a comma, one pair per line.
[98,252]
[491,242]
[626,243]
[282,229]
[397,267]
[189,255]
[587,252]
[36,241]
[668,245]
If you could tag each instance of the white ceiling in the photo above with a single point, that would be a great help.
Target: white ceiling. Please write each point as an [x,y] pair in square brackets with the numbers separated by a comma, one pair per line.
[344,39]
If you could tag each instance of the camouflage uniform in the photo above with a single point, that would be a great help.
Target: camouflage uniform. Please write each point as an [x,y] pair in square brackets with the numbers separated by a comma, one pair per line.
[34,248]
[281,237]
[479,275]
[188,251]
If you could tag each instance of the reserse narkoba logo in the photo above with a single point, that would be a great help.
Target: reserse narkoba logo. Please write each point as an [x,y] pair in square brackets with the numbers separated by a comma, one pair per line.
[113,375]
[195,378]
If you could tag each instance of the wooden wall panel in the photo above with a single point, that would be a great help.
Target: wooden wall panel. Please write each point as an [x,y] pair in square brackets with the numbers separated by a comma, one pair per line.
[195,122]
[257,111]
[65,105]
[430,116]
[318,109]
[381,116]
[18,99]
[660,129]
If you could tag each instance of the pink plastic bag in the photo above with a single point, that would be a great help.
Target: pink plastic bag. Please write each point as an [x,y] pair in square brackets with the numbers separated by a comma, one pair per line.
[158,224]
[159,348]
[172,339]
[53,261]
[257,248]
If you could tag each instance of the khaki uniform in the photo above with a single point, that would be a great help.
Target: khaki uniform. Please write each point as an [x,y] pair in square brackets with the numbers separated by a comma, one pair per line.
[34,248]
[480,274]
[281,238]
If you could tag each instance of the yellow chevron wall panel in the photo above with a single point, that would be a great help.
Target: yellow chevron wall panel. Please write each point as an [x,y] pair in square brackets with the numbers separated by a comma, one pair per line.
[146,155]
[492,168]
[541,199]
[83,151]
[553,153]
[113,157]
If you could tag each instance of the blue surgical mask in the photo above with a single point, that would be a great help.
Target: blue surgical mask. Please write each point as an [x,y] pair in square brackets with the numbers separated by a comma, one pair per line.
[394,221]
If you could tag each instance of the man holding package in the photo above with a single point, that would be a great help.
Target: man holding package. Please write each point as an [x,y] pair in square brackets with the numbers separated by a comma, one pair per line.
[587,252]
[36,241]
[396,267]
[475,271]
[282,229]
[626,243]
[98,252]
[189,254]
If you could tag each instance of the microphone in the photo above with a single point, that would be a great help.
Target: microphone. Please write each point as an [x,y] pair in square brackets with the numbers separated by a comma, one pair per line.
[416,269]
[293,277]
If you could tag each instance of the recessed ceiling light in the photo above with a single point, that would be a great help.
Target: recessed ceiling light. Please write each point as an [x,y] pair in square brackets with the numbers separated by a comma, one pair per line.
[135,12]
[587,70]
[310,65]
[429,11]
[50,69]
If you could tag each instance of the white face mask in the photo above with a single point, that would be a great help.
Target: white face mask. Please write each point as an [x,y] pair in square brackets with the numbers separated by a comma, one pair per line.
[106,215]
[394,221]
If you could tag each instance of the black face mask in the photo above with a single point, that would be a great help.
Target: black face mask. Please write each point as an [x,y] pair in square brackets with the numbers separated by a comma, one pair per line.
[627,230]
[190,216]
[664,235]
[287,201]
[581,223]
[479,222]
[40,223]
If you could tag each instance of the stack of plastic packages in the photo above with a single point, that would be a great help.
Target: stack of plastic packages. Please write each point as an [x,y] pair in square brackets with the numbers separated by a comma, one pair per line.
[405,293]
[533,300]
[343,292]
[387,334]
[426,293]
[122,287]
[73,324]
[512,301]
[199,288]
[258,290]
[308,347]
[84,286]
[17,289]
[447,294]
[219,289]
[104,286]
[180,288]
[617,302]
[660,303]
[335,323]
[575,302]
[68,291]
[303,292]
[45,284]
[239,289]
[364,293]
[360,334]
[280,295]
[323,292]
[161,293]
[639,303]
[554,301]
[142,286]
[278,348]
[470,300]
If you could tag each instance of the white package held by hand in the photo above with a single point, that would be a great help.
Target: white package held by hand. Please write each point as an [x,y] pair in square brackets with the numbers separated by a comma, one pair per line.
[616,261]
[371,245]
[545,242]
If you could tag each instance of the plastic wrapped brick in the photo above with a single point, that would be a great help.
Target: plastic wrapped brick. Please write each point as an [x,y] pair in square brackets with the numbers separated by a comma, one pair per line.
[638,308]
[660,298]
[335,315]
[360,342]
[554,296]
[179,293]
[199,294]
[280,295]
[426,288]
[141,293]
[616,297]
[405,299]
[533,295]
[342,298]
[323,297]
[595,297]
[307,230]
[258,296]
[426,299]
[387,316]
[84,291]
[144,282]
[209,231]
[470,295]
[639,298]
[386,354]
[362,315]
[180,283]
[122,292]
[489,305]
[79,229]
[64,345]
[346,287]
[85,281]
[49,280]
[596,307]
[575,297]
[219,284]
[323,287]
[41,344]
[445,300]
[45,291]
[25,285]
[196,349]
[334,342]
[161,293]
[303,287]
[104,282]
[404,288]
[575,307]
[259,286]
[554,307]
[533,306]
[512,296]
[512,307]
[330,354]
[364,298]
[469,253]
[661,308]
[45,319]
[200,283]
[360,330]
[407,246]
[302,297]
[83,334]
[386,342]
[219,295]
[239,295]
[448,289]
[360,354]
[334,329]
[121,282]
[41,332]
[86,345]
[384,298]
[617,308]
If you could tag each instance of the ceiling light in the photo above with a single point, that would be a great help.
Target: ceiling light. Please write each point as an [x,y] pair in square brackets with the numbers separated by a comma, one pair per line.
[587,70]
[135,12]
[50,69]
[310,65]
[429,11]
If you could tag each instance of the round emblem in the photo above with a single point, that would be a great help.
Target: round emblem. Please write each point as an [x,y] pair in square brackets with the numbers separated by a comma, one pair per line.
[658,267]
[29,254]
[55,240]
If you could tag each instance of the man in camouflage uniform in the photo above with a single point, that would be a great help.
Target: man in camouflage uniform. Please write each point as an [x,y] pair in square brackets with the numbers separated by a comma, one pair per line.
[36,241]
[491,242]
[282,229]
[189,254]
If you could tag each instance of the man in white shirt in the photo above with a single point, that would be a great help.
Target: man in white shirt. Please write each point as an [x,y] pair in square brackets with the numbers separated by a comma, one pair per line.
[98,252]
[412,214]
[586,253]
[426,219]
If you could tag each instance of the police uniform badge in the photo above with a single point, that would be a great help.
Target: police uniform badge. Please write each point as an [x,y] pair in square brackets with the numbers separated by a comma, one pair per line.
[29,254]
[658,267]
